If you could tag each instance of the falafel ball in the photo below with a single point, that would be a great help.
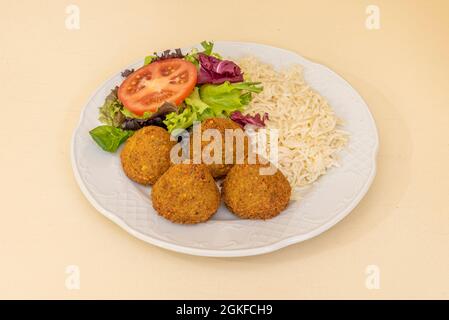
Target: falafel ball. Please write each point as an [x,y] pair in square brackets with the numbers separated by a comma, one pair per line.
[252,195]
[146,155]
[219,170]
[186,193]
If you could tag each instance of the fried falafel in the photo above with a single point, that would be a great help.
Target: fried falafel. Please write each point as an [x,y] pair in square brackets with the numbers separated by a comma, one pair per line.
[252,195]
[220,169]
[146,155]
[186,193]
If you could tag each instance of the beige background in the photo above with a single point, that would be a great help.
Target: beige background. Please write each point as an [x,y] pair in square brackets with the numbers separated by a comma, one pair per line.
[47,74]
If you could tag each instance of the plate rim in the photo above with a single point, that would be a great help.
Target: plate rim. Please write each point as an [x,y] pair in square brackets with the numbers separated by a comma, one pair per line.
[230,252]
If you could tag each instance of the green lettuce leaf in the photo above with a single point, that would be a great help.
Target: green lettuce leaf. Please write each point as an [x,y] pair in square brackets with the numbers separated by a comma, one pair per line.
[113,113]
[248,86]
[110,111]
[192,112]
[194,100]
[129,114]
[211,101]
[208,47]
[192,56]
[229,96]
[148,59]
[109,138]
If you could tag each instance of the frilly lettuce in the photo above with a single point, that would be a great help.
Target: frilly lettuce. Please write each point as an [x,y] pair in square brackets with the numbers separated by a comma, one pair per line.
[129,114]
[110,111]
[256,120]
[229,96]
[113,113]
[208,46]
[212,101]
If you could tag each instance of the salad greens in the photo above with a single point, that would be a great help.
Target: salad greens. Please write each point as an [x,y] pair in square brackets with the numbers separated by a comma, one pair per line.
[127,72]
[154,120]
[210,101]
[193,55]
[109,138]
[110,111]
[243,120]
[208,47]
[213,70]
[129,114]
[222,90]
[167,54]
[229,95]
[113,113]
[148,59]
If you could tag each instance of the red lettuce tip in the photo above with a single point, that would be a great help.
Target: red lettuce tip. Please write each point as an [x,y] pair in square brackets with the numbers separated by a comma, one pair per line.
[243,120]
[216,71]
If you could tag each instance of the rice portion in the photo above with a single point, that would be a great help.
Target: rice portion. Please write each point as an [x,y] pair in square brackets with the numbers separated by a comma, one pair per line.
[309,133]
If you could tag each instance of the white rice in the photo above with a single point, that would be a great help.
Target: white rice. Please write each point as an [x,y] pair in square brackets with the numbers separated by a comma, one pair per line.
[309,134]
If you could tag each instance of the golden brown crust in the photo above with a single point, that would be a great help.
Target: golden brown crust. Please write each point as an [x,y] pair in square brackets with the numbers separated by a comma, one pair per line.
[250,195]
[221,124]
[186,193]
[146,155]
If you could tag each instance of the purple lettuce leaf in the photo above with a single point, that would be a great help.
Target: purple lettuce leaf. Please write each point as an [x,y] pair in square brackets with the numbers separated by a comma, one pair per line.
[243,120]
[216,71]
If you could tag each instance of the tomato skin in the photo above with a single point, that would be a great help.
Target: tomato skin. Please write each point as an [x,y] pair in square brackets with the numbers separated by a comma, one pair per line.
[147,88]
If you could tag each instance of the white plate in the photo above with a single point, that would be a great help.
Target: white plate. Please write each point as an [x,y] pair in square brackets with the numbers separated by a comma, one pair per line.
[101,178]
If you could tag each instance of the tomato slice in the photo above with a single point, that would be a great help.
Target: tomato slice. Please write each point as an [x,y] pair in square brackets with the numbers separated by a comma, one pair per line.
[147,88]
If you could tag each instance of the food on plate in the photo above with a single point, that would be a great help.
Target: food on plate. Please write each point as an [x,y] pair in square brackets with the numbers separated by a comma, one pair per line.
[109,138]
[173,92]
[310,135]
[213,70]
[221,125]
[244,119]
[146,89]
[186,194]
[146,155]
[211,100]
[166,54]
[110,111]
[154,120]
[113,113]
[251,194]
